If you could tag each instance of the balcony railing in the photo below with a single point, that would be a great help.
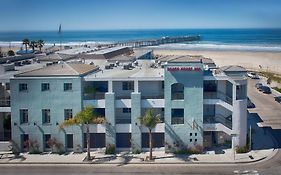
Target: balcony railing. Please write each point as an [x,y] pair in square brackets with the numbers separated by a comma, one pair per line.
[177,120]
[123,120]
[94,96]
[160,96]
[177,96]
[218,95]
[5,102]
[218,119]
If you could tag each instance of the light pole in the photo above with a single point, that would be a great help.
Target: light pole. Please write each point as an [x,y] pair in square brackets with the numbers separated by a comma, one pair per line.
[233,145]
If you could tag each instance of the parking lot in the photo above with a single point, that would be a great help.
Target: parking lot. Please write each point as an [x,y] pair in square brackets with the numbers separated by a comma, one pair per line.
[267,108]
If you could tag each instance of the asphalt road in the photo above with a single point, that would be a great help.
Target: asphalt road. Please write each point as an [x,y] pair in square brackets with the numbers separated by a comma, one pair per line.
[266,108]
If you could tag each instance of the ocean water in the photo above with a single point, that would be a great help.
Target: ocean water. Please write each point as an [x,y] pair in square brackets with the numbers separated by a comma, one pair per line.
[212,39]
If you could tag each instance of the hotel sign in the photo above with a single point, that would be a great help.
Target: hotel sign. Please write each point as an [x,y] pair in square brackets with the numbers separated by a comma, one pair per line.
[184,68]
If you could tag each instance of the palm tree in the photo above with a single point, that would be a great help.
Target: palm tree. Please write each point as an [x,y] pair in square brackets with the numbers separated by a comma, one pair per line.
[26,43]
[150,121]
[33,44]
[85,117]
[40,44]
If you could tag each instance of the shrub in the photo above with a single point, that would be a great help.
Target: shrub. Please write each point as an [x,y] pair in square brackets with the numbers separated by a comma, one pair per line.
[110,149]
[243,149]
[11,53]
[33,147]
[198,149]
[56,146]
[136,151]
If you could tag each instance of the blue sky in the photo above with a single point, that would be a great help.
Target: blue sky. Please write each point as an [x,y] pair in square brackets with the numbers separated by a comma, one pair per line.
[138,14]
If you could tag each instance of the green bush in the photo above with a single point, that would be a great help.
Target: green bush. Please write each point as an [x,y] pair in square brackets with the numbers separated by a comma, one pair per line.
[277,89]
[198,149]
[110,149]
[136,151]
[11,53]
[243,149]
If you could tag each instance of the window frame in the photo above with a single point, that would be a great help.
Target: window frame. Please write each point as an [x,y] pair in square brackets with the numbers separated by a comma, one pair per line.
[44,121]
[66,117]
[66,87]
[172,116]
[43,87]
[21,89]
[23,118]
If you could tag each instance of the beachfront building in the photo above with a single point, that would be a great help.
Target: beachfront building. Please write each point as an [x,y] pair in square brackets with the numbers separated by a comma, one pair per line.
[199,103]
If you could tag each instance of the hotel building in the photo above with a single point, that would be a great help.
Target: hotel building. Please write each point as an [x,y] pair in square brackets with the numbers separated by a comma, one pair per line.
[199,103]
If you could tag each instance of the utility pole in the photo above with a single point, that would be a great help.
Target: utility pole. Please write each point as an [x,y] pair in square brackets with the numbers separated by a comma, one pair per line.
[250,139]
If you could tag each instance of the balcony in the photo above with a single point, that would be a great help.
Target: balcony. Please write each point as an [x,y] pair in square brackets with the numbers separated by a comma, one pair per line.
[94,96]
[226,121]
[218,95]
[120,120]
[159,96]
[5,102]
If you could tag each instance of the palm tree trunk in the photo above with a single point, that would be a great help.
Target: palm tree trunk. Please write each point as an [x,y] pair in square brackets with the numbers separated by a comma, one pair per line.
[150,144]
[88,143]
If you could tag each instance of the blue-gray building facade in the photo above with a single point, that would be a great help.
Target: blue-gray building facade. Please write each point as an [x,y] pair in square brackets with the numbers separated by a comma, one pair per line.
[198,108]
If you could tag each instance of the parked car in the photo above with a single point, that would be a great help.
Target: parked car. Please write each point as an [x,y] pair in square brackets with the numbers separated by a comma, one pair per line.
[250,104]
[258,86]
[278,99]
[266,89]
[253,75]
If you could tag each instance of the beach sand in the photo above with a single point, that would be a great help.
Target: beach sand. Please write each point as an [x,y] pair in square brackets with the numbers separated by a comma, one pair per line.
[269,61]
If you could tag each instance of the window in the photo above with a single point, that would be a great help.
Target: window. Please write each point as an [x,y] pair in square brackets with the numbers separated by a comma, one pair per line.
[195,140]
[177,116]
[126,110]
[45,87]
[67,86]
[177,91]
[69,141]
[162,84]
[23,116]
[190,140]
[46,115]
[123,140]
[190,134]
[210,86]
[67,114]
[22,87]
[128,85]
[7,86]
[47,137]
[195,134]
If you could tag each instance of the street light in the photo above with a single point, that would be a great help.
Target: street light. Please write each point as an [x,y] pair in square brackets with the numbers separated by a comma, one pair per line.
[232,145]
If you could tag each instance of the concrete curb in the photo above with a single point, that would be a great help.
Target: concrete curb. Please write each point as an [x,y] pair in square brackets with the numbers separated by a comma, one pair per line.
[132,163]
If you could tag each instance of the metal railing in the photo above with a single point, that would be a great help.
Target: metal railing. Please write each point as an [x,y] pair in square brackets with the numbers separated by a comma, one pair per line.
[218,118]
[160,96]
[123,120]
[95,96]
[177,96]
[177,120]
[5,102]
[218,95]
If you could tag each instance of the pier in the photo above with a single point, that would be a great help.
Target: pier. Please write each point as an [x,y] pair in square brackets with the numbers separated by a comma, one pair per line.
[156,42]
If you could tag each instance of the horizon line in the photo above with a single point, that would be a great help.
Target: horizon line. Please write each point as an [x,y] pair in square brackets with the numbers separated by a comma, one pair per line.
[132,29]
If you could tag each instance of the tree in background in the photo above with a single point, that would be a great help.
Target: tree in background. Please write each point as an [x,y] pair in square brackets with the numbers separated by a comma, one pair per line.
[40,44]
[85,117]
[150,121]
[33,44]
[26,43]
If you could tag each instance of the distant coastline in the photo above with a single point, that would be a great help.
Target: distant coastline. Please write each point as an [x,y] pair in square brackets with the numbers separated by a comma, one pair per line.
[268,40]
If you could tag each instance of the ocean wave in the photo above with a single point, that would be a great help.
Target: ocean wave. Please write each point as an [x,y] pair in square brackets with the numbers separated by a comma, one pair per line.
[226,47]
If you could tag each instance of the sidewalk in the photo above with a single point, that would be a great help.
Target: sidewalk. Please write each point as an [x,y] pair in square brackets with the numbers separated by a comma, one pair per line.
[263,147]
